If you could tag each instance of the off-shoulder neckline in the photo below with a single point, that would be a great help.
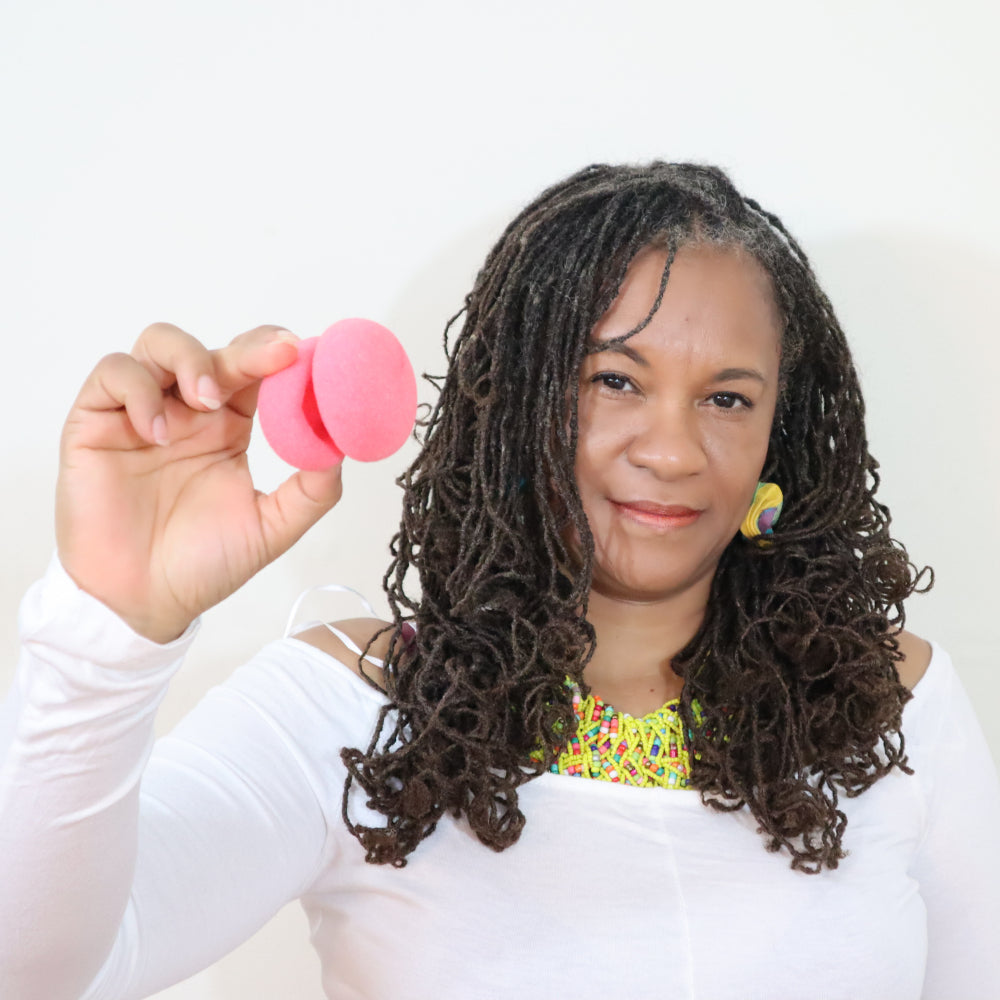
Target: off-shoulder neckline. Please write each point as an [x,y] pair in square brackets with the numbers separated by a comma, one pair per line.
[920,691]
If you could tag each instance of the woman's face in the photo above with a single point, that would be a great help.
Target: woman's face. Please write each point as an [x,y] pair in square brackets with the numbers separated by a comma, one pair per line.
[674,422]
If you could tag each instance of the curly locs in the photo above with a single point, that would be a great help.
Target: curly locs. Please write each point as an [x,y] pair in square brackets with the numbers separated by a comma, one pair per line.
[794,664]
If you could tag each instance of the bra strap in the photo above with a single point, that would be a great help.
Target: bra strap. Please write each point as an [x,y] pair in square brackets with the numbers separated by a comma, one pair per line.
[353,646]
[336,588]
[330,588]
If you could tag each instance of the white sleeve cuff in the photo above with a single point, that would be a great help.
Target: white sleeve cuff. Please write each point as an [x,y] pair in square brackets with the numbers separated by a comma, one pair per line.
[57,615]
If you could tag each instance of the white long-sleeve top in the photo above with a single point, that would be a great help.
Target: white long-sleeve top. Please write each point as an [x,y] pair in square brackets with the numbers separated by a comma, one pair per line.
[112,890]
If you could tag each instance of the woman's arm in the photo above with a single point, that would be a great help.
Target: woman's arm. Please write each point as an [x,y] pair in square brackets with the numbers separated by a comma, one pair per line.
[143,887]
[76,732]
[157,519]
[957,866]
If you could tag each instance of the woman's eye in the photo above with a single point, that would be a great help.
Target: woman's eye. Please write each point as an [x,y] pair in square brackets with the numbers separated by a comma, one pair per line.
[613,381]
[730,400]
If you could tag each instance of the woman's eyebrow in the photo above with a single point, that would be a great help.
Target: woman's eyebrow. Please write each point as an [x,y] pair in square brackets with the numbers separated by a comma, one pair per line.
[623,347]
[735,374]
[618,347]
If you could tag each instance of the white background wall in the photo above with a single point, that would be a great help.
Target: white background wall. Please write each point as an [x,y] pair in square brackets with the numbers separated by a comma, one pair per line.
[224,163]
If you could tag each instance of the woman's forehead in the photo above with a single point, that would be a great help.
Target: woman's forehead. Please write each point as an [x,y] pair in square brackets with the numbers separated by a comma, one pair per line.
[705,286]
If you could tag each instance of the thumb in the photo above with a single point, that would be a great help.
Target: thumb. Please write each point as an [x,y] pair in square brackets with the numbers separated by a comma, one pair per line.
[295,506]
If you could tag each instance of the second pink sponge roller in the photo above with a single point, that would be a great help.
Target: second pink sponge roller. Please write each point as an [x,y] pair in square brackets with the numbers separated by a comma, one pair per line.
[351,392]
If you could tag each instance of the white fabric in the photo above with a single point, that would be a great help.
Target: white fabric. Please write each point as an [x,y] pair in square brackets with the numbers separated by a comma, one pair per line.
[611,891]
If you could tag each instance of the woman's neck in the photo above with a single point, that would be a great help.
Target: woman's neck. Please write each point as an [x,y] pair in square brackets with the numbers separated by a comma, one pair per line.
[636,644]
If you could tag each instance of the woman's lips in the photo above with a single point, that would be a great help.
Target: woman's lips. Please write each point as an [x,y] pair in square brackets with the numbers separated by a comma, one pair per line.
[656,515]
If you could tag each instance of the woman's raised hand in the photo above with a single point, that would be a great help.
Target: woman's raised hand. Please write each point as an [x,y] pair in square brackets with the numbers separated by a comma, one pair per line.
[156,513]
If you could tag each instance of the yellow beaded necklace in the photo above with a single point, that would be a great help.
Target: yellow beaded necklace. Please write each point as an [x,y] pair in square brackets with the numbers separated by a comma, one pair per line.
[614,746]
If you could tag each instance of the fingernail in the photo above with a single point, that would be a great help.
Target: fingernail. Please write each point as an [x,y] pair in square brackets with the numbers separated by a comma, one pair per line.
[285,337]
[208,392]
[160,430]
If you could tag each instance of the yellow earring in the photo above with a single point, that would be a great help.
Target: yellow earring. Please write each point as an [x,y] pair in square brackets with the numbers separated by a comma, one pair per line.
[764,512]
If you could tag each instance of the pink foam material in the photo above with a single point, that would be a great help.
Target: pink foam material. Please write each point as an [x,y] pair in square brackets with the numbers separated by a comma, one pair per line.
[365,389]
[350,392]
[289,416]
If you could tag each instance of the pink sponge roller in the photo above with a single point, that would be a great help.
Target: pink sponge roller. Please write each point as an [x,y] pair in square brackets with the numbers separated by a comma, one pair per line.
[350,392]
[289,416]
[365,389]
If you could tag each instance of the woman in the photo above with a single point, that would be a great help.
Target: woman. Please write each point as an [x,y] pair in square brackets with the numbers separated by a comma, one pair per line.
[643,351]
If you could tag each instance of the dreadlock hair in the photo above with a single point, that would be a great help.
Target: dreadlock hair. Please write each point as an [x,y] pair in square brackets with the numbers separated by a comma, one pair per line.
[794,664]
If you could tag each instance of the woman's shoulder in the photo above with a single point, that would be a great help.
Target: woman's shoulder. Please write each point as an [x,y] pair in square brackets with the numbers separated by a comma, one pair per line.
[346,640]
[916,658]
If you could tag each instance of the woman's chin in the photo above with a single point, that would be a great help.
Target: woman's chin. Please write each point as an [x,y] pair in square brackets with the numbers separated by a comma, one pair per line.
[651,589]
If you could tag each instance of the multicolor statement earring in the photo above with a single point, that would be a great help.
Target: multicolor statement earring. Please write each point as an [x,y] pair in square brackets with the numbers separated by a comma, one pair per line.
[765,509]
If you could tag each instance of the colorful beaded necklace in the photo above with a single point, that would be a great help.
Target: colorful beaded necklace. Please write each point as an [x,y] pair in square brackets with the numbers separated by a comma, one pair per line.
[615,746]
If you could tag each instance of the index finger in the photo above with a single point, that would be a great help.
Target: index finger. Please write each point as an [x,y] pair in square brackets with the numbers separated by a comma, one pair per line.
[250,357]
[205,379]
[240,365]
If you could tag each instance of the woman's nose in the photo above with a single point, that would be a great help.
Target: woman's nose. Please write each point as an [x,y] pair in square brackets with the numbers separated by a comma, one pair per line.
[668,442]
